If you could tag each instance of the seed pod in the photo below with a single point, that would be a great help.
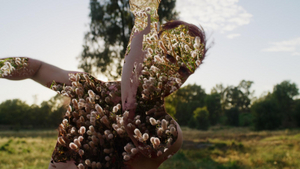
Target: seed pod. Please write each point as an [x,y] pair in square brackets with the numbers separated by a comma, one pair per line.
[120,131]
[77,142]
[91,94]
[73,146]
[86,146]
[92,129]
[126,157]
[91,143]
[105,121]
[156,141]
[137,132]
[107,151]
[115,109]
[94,139]
[152,121]
[73,130]
[80,166]
[61,141]
[94,164]
[107,158]
[125,114]
[164,124]
[82,130]
[110,136]
[198,62]
[197,40]
[134,151]
[138,122]
[80,152]
[159,132]
[88,162]
[145,136]
[99,165]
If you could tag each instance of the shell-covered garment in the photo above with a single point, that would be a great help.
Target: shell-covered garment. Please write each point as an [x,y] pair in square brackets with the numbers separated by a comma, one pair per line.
[93,132]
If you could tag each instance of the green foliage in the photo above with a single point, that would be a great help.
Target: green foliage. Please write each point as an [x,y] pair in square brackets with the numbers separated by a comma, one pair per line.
[296,112]
[200,119]
[277,109]
[284,94]
[245,119]
[170,109]
[232,116]
[213,104]
[17,114]
[186,100]
[105,44]
[238,96]
[266,115]
[6,147]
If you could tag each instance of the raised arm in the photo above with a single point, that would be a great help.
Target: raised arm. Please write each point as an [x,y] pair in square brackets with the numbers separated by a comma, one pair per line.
[19,68]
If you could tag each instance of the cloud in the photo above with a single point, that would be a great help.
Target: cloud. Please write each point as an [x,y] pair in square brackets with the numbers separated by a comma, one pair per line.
[216,15]
[292,46]
[234,35]
[296,54]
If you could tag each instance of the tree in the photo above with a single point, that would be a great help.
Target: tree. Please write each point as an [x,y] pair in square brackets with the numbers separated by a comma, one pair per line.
[220,89]
[296,112]
[16,113]
[238,96]
[284,94]
[200,119]
[266,115]
[232,116]
[213,105]
[186,100]
[105,44]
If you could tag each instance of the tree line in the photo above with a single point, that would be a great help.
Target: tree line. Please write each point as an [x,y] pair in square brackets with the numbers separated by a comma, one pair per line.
[236,106]
[191,106]
[16,114]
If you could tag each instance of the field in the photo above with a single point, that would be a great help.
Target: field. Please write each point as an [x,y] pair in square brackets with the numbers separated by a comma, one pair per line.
[217,148]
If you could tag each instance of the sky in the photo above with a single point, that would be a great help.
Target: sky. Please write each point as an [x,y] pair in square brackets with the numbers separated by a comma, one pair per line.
[252,40]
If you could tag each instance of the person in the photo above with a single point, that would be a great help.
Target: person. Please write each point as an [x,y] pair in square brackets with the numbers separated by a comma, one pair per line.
[121,124]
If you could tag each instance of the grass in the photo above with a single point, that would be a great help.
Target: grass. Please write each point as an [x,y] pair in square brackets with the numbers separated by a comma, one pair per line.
[26,149]
[217,148]
[237,148]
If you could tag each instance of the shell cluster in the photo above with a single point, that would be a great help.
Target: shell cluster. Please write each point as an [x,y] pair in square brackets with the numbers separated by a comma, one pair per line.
[93,134]
[8,65]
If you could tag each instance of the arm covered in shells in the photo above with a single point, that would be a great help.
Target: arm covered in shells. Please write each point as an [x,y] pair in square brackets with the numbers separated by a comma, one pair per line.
[14,66]
[19,68]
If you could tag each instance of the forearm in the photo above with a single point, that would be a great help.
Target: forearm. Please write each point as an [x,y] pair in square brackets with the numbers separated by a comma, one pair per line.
[18,68]
[27,68]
